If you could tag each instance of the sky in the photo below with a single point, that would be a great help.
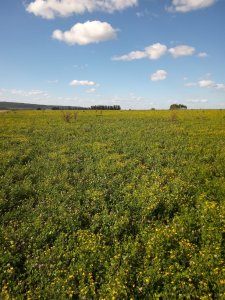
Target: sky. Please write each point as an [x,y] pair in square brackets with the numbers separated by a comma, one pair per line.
[139,54]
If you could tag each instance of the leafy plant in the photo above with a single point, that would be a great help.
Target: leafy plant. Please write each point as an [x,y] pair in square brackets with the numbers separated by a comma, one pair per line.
[127,206]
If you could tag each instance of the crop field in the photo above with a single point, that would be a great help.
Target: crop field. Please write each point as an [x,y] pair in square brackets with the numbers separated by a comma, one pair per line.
[112,205]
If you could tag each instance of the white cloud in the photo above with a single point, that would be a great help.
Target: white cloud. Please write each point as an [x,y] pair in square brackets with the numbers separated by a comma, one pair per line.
[206,83]
[140,14]
[26,96]
[133,55]
[146,12]
[184,6]
[154,51]
[211,84]
[220,86]
[49,9]
[82,83]
[92,90]
[86,33]
[159,75]
[27,93]
[202,54]
[181,50]
[198,100]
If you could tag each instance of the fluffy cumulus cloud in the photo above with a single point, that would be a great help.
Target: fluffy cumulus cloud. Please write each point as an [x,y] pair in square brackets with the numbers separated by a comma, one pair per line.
[184,6]
[157,50]
[154,51]
[133,55]
[211,84]
[86,33]
[159,75]
[220,86]
[49,9]
[181,50]
[82,83]
[207,83]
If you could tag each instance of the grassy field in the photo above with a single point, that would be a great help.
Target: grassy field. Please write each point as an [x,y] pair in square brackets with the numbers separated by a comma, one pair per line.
[112,205]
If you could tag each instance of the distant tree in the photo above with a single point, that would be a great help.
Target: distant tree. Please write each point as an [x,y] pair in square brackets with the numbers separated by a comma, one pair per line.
[106,107]
[177,106]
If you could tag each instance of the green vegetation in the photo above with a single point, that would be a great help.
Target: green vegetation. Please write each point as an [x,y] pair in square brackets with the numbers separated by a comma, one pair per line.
[16,105]
[117,205]
[178,106]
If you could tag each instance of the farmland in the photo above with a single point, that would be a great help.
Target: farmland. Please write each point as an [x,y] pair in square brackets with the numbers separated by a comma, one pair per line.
[112,205]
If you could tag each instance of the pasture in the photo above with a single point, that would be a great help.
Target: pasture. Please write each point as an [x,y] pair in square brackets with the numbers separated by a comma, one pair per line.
[112,205]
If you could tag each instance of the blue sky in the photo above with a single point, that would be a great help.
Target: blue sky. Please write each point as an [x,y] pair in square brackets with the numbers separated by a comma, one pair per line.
[134,53]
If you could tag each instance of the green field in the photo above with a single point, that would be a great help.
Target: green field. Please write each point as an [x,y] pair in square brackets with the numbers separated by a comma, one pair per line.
[112,205]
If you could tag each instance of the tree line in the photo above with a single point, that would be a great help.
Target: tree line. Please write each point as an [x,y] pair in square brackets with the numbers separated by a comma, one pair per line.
[106,107]
[178,106]
[94,107]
